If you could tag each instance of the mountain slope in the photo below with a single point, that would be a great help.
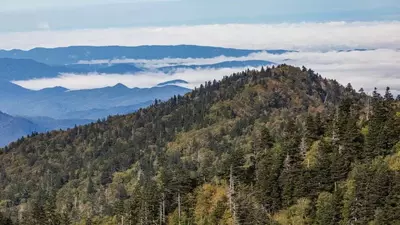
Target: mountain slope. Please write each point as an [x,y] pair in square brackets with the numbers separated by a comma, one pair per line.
[60,103]
[15,127]
[12,128]
[258,147]
[24,69]
[95,114]
[48,124]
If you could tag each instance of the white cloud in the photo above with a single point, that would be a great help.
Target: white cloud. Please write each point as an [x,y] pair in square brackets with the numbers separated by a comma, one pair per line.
[147,79]
[297,36]
[368,69]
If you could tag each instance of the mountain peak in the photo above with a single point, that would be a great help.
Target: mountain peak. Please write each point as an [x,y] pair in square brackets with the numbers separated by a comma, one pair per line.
[120,86]
[173,82]
[55,89]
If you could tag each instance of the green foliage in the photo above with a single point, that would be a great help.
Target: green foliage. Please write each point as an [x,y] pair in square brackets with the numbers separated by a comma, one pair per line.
[298,214]
[325,213]
[312,156]
[281,145]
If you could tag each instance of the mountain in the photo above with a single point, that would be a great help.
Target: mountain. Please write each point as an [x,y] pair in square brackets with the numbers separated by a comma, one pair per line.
[48,124]
[61,103]
[226,64]
[173,82]
[24,69]
[75,54]
[15,127]
[122,68]
[278,146]
[27,69]
[95,114]
[12,128]
[9,89]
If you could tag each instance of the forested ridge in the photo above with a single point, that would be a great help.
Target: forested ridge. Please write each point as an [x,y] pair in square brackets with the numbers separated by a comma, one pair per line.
[278,146]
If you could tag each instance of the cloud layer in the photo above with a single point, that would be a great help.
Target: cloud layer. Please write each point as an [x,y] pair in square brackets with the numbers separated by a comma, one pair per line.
[143,80]
[317,45]
[295,36]
[368,69]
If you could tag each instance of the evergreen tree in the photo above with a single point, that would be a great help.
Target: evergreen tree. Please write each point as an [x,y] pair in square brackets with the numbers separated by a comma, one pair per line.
[325,212]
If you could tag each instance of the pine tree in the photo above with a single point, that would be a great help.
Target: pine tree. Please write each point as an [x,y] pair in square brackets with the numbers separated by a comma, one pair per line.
[50,211]
[5,220]
[90,187]
[38,214]
[325,212]
[392,201]
[268,168]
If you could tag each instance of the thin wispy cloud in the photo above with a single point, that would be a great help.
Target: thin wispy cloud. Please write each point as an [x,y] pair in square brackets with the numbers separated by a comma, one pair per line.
[295,36]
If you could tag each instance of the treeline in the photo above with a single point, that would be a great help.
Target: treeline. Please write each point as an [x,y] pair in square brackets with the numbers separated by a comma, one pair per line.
[278,146]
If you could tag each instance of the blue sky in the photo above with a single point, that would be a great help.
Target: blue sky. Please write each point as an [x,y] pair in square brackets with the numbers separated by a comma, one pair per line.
[28,15]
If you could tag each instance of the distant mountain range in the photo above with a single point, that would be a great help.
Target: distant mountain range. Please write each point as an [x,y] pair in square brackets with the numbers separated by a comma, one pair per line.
[27,69]
[59,108]
[25,111]
[61,103]
[71,55]
[12,128]
[23,69]
[226,64]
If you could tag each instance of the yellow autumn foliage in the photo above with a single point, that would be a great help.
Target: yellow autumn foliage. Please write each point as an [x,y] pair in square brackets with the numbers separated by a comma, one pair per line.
[311,159]
[212,205]
[393,161]
[297,214]
[101,221]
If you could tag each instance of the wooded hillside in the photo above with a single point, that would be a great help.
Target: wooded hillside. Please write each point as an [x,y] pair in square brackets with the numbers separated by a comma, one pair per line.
[278,146]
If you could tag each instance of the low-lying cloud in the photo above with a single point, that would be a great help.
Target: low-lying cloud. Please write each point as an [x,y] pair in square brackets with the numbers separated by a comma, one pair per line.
[195,77]
[294,36]
[368,69]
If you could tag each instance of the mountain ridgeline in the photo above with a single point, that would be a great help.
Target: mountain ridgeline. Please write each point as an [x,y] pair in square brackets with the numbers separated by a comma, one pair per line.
[278,146]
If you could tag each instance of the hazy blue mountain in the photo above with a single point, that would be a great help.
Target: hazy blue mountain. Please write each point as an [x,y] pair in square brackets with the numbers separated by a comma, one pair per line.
[36,109]
[48,124]
[22,69]
[120,69]
[226,64]
[12,128]
[9,89]
[25,69]
[74,54]
[94,114]
[60,103]
[173,82]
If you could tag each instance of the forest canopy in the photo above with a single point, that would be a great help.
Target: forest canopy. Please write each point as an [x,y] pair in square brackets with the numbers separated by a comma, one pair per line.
[282,145]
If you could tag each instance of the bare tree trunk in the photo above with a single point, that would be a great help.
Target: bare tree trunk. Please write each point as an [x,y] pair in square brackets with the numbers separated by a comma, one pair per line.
[163,208]
[326,98]
[231,193]
[179,207]
[368,107]
[160,212]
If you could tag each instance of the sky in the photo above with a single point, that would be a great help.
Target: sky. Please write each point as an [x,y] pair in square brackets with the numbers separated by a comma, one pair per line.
[28,15]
